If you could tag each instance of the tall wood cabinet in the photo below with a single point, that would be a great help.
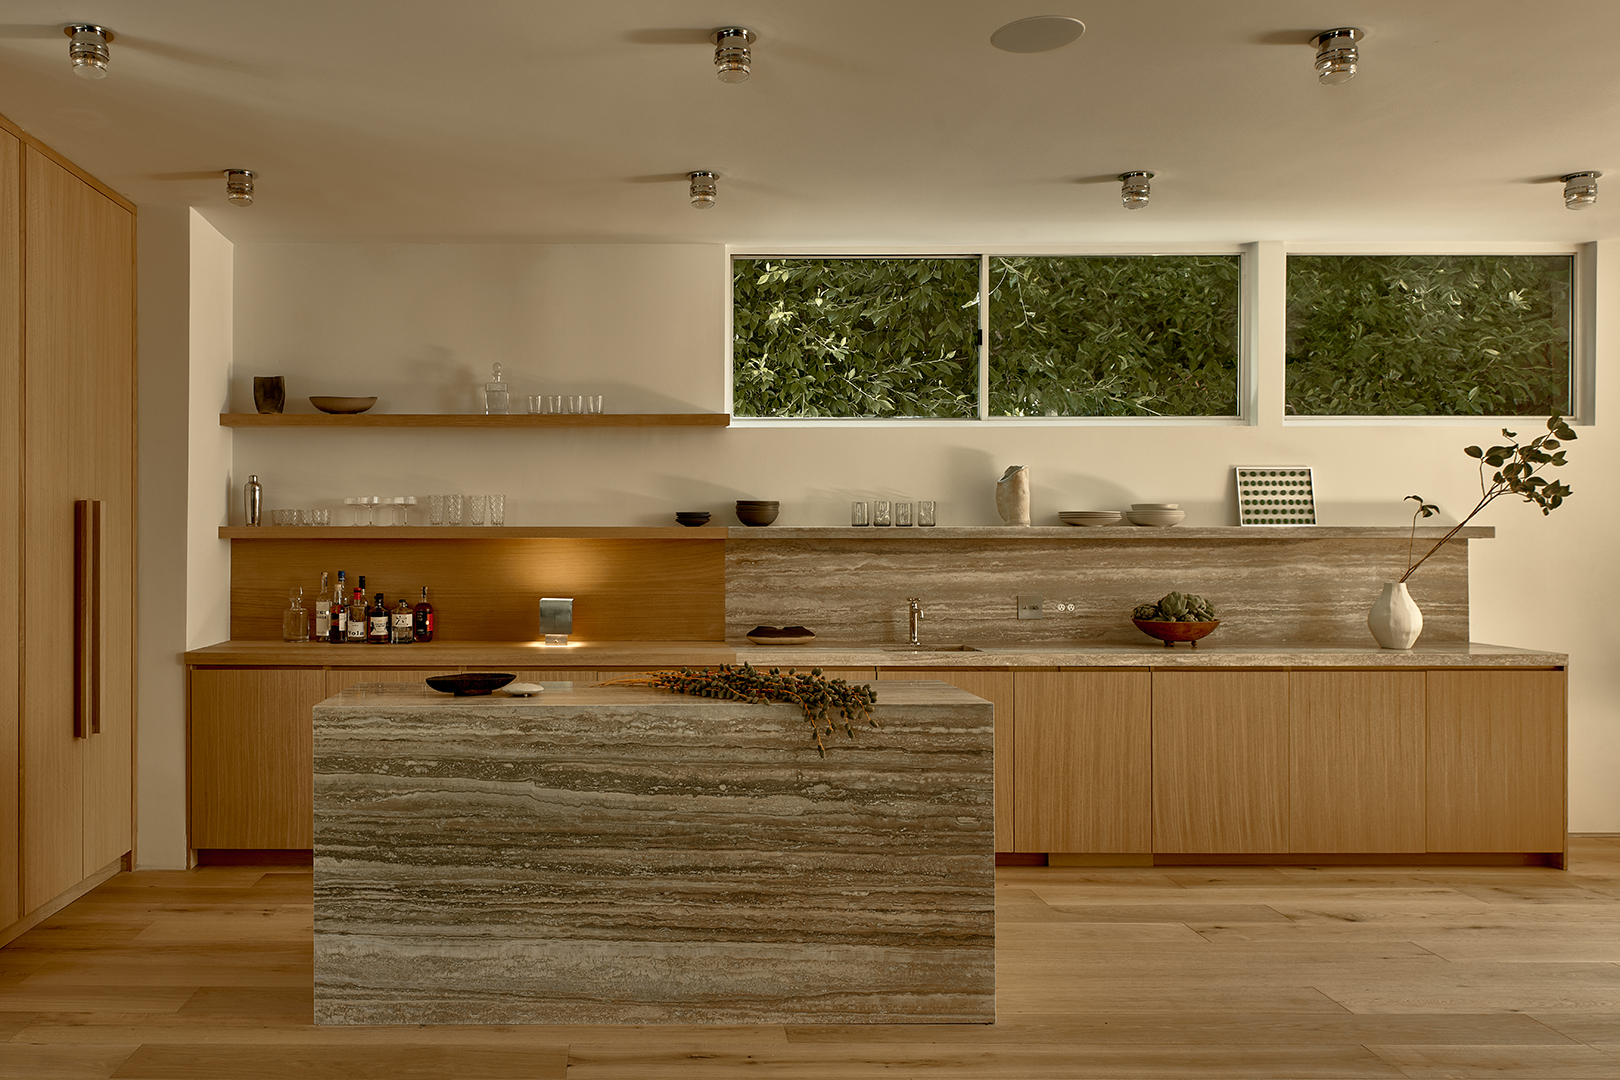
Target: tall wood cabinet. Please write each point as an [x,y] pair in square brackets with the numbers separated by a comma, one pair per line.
[67,433]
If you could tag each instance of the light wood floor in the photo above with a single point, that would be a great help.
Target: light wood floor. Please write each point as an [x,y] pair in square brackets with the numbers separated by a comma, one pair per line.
[1243,972]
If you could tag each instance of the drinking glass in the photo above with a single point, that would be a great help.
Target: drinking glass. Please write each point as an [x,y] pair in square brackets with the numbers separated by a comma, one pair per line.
[405,505]
[925,513]
[279,517]
[320,517]
[902,514]
[535,403]
[593,404]
[353,502]
[371,502]
[858,514]
[435,509]
[452,509]
[475,509]
[880,513]
[497,509]
[576,403]
[554,403]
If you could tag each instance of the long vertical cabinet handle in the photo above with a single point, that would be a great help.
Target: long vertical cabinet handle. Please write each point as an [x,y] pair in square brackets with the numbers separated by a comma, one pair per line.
[87,560]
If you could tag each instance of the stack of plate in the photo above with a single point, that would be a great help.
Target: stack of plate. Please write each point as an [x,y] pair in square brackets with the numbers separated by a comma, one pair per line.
[1091,518]
[1159,514]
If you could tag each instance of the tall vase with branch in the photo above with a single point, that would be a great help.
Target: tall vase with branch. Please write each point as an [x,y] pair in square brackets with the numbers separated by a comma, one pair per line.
[1395,620]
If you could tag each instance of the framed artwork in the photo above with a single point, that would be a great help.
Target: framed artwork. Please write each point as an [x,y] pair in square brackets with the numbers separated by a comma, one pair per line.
[1275,495]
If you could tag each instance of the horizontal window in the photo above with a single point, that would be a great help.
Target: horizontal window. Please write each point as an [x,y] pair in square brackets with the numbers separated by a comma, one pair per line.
[1429,335]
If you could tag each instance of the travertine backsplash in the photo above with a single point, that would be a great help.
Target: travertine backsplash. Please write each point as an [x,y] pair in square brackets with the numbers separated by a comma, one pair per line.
[1265,591]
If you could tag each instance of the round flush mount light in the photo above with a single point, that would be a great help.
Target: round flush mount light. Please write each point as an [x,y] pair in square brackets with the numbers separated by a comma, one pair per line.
[1336,55]
[703,188]
[1134,189]
[87,48]
[1580,190]
[1042,33]
[239,187]
[732,60]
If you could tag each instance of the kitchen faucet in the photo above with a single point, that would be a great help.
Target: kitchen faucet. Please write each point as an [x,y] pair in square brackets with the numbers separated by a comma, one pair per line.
[916,619]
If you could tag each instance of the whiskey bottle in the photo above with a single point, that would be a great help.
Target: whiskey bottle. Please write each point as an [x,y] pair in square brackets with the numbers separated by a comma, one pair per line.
[377,622]
[422,619]
[323,610]
[355,633]
[400,630]
[340,613]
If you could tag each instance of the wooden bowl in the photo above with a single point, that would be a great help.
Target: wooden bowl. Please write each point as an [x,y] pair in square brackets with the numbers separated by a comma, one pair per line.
[343,404]
[1172,632]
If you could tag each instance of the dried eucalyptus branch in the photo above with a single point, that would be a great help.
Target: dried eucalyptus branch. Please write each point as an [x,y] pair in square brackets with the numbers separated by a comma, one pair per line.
[828,704]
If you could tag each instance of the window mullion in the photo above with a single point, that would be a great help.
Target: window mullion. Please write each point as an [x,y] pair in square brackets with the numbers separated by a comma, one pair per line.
[984,337]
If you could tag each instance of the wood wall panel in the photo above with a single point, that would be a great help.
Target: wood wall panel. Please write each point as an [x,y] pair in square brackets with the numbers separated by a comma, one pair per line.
[1083,761]
[488,590]
[339,679]
[1220,761]
[1496,761]
[11,539]
[996,687]
[1356,781]
[252,756]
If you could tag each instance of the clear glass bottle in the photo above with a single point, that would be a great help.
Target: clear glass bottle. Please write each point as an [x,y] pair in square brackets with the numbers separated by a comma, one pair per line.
[496,398]
[295,623]
[422,624]
[401,627]
[323,610]
[355,631]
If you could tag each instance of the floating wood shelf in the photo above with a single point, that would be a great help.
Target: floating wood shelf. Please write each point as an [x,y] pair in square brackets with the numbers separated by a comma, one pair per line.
[471,420]
[467,532]
[793,532]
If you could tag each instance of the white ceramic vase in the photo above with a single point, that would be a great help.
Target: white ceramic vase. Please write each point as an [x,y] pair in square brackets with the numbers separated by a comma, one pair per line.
[1012,495]
[1394,619]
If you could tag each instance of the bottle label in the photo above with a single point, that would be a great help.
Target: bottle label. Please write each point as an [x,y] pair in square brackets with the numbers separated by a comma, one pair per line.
[323,621]
[402,622]
[430,622]
[342,617]
[379,625]
[357,630]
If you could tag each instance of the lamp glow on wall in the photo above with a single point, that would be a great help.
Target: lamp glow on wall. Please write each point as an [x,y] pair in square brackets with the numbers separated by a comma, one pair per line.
[1336,55]
[239,187]
[732,60]
[1134,189]
[703,188]
[1580,190]
[87,48]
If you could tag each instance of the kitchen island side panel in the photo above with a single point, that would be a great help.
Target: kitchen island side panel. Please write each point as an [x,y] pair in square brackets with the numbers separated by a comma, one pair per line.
[624,855]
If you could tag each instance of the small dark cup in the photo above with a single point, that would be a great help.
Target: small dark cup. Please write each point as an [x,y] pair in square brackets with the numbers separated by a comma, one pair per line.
[756,517]
[269,393]
[692,518]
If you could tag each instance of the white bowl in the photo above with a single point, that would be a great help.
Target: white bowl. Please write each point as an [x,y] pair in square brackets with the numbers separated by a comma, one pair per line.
[1155,506]
[523,689]
[1159,518]
[1092,518]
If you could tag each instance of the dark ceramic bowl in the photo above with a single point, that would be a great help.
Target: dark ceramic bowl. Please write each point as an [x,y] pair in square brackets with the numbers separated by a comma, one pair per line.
[756,516]
[692,518]
[1172,632]
[469,683]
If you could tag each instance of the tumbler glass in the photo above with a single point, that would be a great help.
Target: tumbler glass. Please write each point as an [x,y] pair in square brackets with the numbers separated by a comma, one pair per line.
[497,509]
[475,509]
[554,403]
[925,513]
[858,513]
[576,403]
[435,509]
[880,513]
[902,514]
[320,517]
[452,509]
[593,404]
[535,401]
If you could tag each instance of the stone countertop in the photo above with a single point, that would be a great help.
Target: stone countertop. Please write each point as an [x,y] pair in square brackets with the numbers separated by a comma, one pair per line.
[365,699]
[531,656]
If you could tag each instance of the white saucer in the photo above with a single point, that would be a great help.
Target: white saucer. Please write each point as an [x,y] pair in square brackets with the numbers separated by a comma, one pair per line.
[523,689]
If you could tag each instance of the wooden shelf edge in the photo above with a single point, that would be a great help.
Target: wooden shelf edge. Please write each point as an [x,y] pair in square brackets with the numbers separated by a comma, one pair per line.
[468,532]
[468,420]
[804,532]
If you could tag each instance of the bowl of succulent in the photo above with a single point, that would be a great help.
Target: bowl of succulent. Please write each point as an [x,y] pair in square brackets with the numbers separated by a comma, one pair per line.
[1176,617]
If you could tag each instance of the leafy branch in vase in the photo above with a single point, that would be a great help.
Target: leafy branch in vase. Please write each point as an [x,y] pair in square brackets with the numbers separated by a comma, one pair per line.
[1517,470]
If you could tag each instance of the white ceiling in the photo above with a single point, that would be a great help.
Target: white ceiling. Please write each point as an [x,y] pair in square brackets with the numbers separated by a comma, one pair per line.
[873,122]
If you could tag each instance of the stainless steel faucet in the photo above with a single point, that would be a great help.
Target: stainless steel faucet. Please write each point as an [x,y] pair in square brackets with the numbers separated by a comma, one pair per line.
[916,619]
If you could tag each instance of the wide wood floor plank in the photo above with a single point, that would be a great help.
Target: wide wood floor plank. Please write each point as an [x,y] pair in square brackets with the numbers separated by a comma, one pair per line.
[91,1062]
[404,1060]
[1558,1062]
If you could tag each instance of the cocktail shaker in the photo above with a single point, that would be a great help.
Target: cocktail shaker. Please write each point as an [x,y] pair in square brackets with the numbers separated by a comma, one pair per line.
[253,499]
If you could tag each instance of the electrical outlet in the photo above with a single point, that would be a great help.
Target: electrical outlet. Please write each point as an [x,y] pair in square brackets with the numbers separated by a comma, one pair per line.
[1029,605]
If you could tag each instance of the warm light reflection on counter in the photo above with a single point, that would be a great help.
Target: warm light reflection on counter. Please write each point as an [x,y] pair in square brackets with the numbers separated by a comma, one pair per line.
[547,645]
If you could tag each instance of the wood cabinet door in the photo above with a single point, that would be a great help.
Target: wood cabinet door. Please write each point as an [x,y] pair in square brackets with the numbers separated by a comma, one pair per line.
[342,678]
[1496,761]
[11,542]
[78,400]
[995,687]
[1220,761]
[1356,775]
[252,756]
[1083,761]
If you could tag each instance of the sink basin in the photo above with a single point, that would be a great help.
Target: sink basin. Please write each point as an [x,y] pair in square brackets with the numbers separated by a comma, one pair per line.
[928,647]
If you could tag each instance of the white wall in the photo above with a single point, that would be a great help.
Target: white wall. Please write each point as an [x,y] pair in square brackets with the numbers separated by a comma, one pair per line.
[208,592]
[419,326]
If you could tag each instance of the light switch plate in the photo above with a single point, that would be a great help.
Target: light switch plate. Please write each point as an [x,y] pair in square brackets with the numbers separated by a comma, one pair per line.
[1029,605]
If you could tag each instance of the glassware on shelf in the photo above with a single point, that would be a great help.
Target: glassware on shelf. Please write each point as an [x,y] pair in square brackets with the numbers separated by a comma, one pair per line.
[476,505]
[496,398]
[536,402]
[858,513]
[405,505]
[925,513]
[452,509]
[880,513]
[553,404]
[497,509]
[902,514]
[435,509]
[354,502]
[593,404]
[295,622]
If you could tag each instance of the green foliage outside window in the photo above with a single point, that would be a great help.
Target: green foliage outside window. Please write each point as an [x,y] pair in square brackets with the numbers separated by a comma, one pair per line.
[1429,335]
[888,337]
[1116,335]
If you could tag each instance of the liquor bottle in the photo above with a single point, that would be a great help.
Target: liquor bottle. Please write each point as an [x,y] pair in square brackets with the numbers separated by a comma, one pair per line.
[340,613]
[496,397]
[356,631]
[323,611]
[377,622]
[422,618]
[400,631]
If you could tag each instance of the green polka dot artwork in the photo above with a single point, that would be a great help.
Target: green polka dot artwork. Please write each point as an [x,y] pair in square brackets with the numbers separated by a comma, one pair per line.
[1275,495]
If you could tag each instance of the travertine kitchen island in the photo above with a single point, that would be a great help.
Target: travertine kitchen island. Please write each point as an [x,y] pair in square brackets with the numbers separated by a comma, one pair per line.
[626,855]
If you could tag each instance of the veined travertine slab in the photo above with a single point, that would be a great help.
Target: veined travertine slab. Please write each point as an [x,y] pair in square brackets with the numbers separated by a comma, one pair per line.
[626,855]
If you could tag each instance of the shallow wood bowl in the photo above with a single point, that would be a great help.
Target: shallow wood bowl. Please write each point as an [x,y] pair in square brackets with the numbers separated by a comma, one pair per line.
[343,404]
[1172,632]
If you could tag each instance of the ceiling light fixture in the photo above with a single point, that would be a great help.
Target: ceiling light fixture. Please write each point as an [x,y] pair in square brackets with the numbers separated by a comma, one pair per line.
[1133,189]
[702,189]
[87,48]
[1336,55]
[239,187]
[731,56]
[1580,189]
[1043,33]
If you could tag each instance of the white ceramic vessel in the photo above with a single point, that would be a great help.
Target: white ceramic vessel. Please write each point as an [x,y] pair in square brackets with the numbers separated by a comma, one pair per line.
[1395,620]
[1159,518]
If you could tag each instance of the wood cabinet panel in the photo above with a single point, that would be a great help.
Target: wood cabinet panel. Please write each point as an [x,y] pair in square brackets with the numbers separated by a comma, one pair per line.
[995,687]
[11,541]
[252,757]
[342,678]
[1220,761]
[1496,761]
[1356,778]
[1083,761]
